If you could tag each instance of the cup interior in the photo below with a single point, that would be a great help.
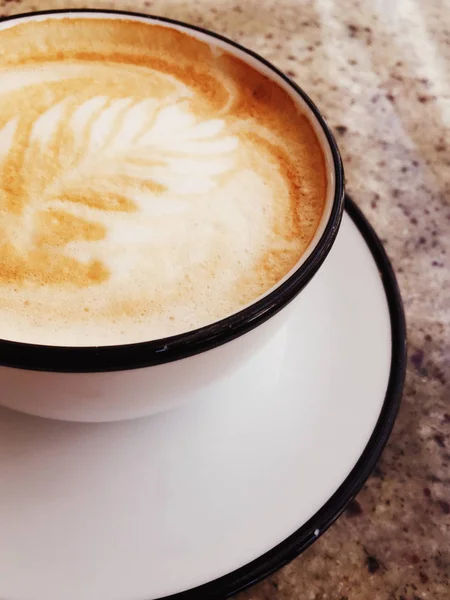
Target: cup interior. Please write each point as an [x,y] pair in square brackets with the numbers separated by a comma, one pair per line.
[167,349]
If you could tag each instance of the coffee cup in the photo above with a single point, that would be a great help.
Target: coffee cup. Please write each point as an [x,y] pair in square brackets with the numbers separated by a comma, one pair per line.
[165,194]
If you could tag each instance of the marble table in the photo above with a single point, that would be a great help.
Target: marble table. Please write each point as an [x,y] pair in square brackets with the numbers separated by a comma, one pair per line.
[379,71]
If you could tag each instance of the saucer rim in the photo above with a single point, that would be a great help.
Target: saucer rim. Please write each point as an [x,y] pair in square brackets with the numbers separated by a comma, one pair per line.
[284,552]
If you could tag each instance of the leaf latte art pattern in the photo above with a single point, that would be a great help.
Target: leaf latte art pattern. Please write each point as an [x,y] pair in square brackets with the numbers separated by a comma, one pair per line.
[74,173]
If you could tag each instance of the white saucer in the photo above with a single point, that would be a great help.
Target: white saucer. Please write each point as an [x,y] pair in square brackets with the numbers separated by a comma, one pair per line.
[142,509]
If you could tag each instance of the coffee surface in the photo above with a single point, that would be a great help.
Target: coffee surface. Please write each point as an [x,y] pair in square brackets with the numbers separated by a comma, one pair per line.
[150,183]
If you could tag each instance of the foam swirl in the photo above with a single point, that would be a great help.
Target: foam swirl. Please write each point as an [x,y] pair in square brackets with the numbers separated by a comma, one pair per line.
[99,157]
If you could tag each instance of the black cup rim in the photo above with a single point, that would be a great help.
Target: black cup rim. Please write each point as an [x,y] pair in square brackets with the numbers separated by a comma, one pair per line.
[88,359]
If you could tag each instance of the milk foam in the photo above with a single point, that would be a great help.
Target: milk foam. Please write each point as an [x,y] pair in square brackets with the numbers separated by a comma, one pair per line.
[131,209]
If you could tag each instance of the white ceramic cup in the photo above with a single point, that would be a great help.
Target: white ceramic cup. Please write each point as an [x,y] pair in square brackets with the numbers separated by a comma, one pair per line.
[111,383]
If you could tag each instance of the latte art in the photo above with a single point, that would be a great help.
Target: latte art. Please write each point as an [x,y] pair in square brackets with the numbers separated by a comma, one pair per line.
[148,184]
[108,157]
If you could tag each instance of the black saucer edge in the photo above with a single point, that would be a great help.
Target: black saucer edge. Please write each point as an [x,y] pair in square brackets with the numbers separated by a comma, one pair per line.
[295,544]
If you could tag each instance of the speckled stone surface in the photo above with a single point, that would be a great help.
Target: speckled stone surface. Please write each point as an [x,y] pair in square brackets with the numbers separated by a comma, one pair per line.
[380,73]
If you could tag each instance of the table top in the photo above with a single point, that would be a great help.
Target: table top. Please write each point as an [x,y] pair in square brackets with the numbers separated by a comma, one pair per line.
[379,72]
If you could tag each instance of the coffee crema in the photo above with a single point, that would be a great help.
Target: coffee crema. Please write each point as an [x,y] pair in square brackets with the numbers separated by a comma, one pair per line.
[150,183]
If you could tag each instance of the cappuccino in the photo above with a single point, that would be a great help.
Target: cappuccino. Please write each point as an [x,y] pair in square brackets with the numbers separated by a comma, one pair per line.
[150,183]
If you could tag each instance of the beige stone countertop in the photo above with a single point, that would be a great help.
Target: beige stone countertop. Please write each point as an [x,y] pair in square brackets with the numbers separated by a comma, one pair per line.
[379,71]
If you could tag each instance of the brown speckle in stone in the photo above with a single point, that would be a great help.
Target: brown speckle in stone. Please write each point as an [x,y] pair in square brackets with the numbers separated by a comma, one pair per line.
[290,57]
[352,61]
[415,163]
[434,479]
[423,98]
[390,97]
[269,36]
[372,564]
[415,559]
[374,202]
[291,73]
[354,509]
[341,129]
[237,9]
[445,507]
[417,358]
[413,221]
[353,30]
[439,375]
[403,207]
[439,439]
[404,169]
[440,148]
[378,473]
[428,337]
[423,577]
